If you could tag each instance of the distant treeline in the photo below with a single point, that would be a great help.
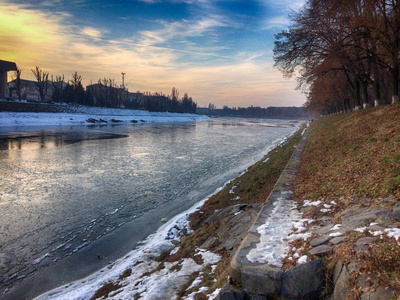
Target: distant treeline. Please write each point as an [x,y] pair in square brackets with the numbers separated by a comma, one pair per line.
[256,112]
[104,93]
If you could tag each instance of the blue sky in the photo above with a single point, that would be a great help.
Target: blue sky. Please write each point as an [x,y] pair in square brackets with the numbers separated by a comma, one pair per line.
[216,51]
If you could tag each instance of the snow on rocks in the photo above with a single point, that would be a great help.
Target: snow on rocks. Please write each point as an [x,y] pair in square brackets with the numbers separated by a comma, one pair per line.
[376,233]
[214,294]
[285,224]
[232,190]
[302,260]
[393,232]
[335,234]
[312,203]
[336,227]
[361,229]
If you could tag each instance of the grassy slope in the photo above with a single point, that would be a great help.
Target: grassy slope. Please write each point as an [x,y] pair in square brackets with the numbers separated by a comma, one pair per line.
[351,156]
[355,154]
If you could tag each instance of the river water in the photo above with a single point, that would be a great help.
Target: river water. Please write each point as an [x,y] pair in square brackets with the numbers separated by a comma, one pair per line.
[73,199]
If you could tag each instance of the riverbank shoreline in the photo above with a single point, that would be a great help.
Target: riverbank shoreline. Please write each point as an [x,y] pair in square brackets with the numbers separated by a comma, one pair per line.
[351,245]
[14,115]
[223,125]
[347,192]
[199,253]
[10,121]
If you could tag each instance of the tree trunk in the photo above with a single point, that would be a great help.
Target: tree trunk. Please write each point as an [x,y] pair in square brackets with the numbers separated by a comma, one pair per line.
[365,94]
[358,96]
[395,84]
[376,86]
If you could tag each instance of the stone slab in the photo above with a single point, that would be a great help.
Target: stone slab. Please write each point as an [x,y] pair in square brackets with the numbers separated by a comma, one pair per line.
[304,281]
[319,240]
[337,240]
[261,278]
[321,250]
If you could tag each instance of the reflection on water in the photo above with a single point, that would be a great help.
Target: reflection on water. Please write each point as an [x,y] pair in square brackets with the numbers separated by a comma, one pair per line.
[256,122]
[51,139]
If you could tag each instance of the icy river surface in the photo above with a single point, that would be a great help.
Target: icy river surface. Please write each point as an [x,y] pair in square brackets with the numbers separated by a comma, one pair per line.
[73,199]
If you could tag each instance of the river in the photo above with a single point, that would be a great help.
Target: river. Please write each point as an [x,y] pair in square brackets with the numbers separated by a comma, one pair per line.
[74,199]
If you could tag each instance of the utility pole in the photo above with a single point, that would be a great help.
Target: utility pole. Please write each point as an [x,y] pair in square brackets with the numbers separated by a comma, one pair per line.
[123,80]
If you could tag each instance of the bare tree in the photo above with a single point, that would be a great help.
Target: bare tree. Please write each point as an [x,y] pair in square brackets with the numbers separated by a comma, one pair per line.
[78,92]
[334,45]
[174,94]
[42,82]
[58,88]
[18,83]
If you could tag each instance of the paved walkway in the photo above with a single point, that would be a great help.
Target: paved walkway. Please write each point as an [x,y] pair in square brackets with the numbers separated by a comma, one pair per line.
[257,276]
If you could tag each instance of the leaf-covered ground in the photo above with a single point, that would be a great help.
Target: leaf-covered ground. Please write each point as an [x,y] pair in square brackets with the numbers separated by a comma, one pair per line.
[354,154]
[354,160]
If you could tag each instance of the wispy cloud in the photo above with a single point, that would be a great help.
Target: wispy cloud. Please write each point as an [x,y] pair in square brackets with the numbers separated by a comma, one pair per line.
[281,9]
[152,59]
[91,32]
[172,1]
[278,22]
[283,5]
[180,29]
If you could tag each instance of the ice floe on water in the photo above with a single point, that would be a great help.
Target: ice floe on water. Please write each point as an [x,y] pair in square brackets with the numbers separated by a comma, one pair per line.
[39,260]
[285,224]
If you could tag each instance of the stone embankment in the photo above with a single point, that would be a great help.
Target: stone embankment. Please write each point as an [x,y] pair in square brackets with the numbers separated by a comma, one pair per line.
[333,248]
[259,280]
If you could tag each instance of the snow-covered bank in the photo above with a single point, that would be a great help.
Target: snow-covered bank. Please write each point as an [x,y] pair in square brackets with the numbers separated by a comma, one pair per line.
[93,116]
[141,260]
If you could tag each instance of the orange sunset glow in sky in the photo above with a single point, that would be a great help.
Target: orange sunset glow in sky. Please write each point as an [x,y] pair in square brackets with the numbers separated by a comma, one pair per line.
[216,51]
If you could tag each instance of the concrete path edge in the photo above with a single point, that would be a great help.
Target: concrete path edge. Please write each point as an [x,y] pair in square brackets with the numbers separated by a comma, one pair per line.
[258,278]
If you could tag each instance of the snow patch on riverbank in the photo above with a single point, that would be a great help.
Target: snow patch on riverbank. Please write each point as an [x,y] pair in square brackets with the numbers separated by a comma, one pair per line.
[284,225]
[141,260]
[9,119]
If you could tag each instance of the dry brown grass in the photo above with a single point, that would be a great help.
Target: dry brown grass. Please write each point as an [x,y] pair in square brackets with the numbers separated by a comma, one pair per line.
[383,260]
[302,247]
[353,154]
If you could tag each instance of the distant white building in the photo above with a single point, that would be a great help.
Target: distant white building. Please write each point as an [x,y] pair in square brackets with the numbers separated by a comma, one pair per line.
[29,91]
[5,66]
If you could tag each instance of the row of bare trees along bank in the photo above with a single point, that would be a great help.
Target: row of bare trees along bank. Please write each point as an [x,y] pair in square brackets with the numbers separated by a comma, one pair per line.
[345,54]
[104,93]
